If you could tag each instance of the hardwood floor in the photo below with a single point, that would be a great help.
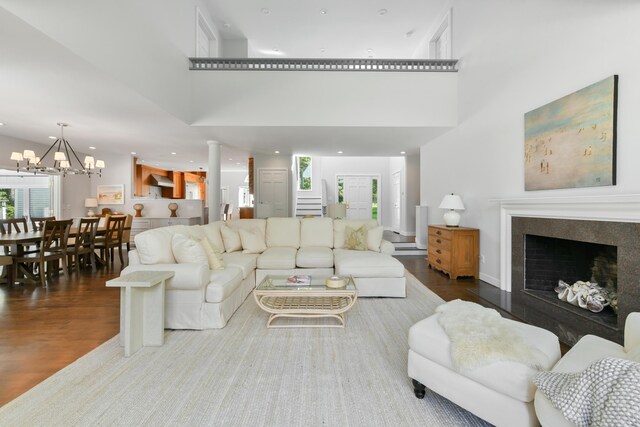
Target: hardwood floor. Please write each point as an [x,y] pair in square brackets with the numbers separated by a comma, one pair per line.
[44,330]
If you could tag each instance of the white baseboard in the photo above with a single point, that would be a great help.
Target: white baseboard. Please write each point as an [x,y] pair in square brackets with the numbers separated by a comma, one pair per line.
[490,280]
[408,233]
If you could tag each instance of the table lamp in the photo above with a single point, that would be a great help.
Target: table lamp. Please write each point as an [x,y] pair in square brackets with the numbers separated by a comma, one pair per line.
[453,202]
[338,211]
[90,203]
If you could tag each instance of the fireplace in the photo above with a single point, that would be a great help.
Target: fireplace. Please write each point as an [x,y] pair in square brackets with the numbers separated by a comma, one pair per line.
[545,250]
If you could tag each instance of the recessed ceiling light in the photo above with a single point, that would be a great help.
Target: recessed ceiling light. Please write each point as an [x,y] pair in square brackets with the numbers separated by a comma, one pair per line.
[157,164]
[230,159]
[237,163]
[369,50]
[382,12]
[53,137]
[403,152]
[92,148]
[275,49]
[410,33]
[370,56]
[190,161]
[226,25]
[265,10]
[323,11]
[133,152]
[1,124]
[339,152]
[323,50]
[173,153]
[141,161]
[277,152]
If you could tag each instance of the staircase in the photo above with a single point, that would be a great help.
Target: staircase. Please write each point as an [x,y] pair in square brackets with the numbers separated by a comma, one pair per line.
[408,249]
[309,206]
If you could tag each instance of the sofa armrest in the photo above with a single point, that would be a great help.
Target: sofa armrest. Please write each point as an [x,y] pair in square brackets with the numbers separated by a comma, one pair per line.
[632,331]
[387,247]
[187,276]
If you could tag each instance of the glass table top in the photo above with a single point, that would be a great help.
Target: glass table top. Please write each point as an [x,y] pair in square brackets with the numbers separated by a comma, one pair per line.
[317,283]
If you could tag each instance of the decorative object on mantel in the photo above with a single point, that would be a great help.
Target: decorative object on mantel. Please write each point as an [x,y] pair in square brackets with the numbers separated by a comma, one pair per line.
[587,295]
[453,202]
[173,207]
[111,194]
[62,161]
[138,208]
[571,142]
[91,203]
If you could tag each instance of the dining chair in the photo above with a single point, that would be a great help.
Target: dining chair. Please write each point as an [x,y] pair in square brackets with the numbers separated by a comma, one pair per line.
[83,244]
[53,248]
[126,232]
[38,222]
[6,262]
[114,226]
[13,225]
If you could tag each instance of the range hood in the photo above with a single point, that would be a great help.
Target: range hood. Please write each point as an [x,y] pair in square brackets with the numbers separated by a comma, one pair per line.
[160,181]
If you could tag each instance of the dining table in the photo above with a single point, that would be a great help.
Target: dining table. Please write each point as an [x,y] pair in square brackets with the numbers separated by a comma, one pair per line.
[18,241]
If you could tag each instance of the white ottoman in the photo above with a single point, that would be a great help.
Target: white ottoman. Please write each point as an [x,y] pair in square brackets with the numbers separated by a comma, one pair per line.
[375,274]
[501,393]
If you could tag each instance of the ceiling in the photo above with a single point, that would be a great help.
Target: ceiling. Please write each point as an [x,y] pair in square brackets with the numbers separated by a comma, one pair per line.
[43,83]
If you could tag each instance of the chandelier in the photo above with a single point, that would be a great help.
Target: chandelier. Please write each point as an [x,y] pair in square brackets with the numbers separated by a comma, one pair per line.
[62,161]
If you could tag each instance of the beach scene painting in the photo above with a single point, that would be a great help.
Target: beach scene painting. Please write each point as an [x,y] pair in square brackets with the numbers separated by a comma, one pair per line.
[111,194]
[571,142]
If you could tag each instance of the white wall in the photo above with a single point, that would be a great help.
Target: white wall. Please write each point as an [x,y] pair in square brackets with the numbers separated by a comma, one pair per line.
[74,188]
[233,180]
[515,57]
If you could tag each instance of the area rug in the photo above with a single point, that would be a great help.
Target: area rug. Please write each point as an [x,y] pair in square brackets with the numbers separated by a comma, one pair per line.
[246,374]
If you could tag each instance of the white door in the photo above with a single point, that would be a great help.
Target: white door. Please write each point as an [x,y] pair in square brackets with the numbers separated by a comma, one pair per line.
[396,198]
[358,195]
[272,193]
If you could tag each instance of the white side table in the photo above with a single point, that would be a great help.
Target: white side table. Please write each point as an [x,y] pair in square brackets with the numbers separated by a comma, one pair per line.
[141,308]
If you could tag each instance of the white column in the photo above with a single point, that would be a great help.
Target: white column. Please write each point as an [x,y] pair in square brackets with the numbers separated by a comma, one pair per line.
[213,181]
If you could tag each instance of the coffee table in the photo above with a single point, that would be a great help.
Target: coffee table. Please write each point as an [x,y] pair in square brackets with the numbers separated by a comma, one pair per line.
[316,300]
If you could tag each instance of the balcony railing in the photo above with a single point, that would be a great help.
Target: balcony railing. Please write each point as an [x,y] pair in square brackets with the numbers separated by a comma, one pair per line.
[285,64]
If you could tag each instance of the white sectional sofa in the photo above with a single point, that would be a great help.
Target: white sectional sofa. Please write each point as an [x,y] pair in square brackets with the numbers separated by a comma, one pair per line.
[200,298]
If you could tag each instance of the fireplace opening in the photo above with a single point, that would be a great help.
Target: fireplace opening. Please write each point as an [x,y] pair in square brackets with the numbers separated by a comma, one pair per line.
[549,260]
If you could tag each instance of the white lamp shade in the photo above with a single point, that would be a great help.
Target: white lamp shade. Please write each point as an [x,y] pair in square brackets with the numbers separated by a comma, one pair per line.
[16,156]
[338,210]
[89,160]
[59,156]
[65,164]
[28,154]
[452,201]
[34,160]
[100,164]
[90,203]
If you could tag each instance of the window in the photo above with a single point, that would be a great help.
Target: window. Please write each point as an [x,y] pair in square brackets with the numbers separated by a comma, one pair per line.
[25,195]
[374,198]
[206,43]
[304,173]
[244,198]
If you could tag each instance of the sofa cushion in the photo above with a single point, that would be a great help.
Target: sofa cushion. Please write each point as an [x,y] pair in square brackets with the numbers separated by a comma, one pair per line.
[246,262]
[283,232]
[223,283]
[366,264]
[355,239]
[247,224]
[314,257]
[339,229]
[154,246]
[374,238]
[187,250]
[214,256]
[231,239]
[316,232]
[252,241]
[586,351]
[429,340]
[277,258]
[212,233]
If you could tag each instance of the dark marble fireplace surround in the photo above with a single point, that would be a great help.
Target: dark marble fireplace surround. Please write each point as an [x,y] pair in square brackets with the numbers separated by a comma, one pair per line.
[543,308]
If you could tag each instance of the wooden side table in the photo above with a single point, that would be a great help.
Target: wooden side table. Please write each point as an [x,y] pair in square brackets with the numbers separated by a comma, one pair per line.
[141,308]
[454,250]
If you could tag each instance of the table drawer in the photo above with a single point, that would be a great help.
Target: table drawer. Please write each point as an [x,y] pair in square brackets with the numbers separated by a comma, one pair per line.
[442,260]
[436,242]
[439,232]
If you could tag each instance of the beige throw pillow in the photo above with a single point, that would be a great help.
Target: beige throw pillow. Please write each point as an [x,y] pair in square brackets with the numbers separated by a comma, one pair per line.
[355,239]
[374,238]
[252,241]
[231,239]
[213,255]
[187,251]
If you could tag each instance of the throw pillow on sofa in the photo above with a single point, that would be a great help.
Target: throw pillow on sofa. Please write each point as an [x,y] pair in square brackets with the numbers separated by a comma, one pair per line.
[374,238]
[356,239]
[188,251]
[231,239]
[213,255]
[252,241]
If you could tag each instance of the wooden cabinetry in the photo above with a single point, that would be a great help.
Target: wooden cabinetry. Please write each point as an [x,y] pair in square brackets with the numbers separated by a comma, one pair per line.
[454,250]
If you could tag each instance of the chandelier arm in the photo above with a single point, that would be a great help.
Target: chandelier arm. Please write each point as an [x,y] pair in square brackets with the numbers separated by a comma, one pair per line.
[45,154]
[76,156]
[66,149]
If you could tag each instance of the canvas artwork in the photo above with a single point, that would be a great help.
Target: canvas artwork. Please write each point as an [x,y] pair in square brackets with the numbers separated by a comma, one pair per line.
[571,142]
[111,194]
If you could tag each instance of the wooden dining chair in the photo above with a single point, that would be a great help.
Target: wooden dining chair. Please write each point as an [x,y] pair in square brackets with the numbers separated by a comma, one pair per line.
[13,225]
[126,232]
[53,248]
[38,222]
[6,262]
[112,239]
[83,245]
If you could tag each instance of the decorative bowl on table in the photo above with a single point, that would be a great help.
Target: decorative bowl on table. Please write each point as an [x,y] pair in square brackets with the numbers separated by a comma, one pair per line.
[138,207]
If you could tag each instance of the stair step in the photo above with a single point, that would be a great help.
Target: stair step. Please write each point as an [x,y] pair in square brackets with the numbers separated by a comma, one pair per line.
[399,245]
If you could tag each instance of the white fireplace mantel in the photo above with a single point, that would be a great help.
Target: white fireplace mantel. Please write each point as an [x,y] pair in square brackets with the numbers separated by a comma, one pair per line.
[616,208]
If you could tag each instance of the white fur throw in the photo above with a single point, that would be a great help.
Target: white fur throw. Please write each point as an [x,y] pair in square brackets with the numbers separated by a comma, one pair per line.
[480,336]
